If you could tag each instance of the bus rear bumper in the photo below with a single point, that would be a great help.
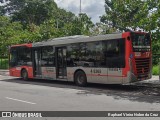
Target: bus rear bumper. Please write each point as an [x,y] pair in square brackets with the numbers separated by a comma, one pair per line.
[131,78]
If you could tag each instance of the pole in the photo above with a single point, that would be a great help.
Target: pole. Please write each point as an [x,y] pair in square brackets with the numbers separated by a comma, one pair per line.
[159,69]
[57,23]
[80,10]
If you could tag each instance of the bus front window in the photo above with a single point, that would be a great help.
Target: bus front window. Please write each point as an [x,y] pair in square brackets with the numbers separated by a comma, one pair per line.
[140,42]
[20,56]
[13,57]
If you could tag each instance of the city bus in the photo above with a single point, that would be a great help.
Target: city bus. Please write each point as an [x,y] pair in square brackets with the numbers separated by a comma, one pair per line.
[120,58]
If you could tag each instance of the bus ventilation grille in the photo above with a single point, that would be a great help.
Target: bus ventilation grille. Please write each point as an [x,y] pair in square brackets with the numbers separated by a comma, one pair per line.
[142,66]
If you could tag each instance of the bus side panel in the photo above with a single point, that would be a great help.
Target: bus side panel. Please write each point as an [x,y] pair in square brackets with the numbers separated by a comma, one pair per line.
[70,73]
[115,76]
[126,71]
[49,73]
[72,70]
[99,75]
[30,71]
[94,75]
[16,71]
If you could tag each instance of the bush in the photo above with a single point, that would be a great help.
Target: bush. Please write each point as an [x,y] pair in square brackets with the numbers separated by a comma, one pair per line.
[3,63]
[155,70]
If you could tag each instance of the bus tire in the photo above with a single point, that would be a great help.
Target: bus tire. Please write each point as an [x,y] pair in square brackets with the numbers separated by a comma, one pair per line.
[80,78]
[24,74]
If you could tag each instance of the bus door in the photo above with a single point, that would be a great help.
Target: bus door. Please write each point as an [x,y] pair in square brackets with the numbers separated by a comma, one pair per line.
[37,62]
[61,70]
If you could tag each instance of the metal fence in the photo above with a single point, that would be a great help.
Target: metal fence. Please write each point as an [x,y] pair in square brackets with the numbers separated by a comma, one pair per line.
[4,61]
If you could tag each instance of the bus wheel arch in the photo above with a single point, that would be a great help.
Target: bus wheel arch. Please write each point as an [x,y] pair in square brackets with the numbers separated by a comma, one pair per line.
[80,78]
[24,74]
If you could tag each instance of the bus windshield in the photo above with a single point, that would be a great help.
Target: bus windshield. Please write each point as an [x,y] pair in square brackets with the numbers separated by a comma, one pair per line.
[20,56]
[140,42]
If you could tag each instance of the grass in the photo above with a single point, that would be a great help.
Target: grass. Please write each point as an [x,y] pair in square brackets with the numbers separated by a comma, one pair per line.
[155,70]
[3,63]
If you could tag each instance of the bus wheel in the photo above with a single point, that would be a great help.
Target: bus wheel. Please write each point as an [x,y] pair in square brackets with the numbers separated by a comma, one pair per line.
[24,74]
[80,78]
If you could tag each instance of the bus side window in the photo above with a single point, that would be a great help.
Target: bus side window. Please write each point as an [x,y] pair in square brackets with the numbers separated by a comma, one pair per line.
[94,53]
[13,57]
[114,53]
[72,55]
[47,59]
[24,56]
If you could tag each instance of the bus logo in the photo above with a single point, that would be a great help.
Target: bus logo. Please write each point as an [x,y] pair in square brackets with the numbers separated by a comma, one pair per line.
[6,114]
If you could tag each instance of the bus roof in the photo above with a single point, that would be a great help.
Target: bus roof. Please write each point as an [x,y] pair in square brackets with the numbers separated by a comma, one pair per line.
[76,39]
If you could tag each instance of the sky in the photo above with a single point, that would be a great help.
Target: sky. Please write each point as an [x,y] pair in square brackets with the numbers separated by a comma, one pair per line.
[93,8]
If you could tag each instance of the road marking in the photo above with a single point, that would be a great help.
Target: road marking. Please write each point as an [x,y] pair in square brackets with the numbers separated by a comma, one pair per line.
[20,100]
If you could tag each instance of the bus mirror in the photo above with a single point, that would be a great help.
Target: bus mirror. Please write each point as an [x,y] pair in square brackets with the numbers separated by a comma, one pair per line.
[128,38]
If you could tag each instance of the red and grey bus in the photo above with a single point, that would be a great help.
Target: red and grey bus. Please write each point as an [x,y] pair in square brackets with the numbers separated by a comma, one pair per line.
[120,58]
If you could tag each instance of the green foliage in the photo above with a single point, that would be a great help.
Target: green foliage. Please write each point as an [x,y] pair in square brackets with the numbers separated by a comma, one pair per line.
[38,20]
[13,33]
[156,41]
[85,23]
[32,12]
[4,63]
[8,33]
[1,10]
[40,12]
[123,14]
[155,70]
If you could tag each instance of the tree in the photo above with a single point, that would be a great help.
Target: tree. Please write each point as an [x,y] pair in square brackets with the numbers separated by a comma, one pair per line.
[38,20]
[48,30]
[86,23]
[101,29]
[30,11]
[13,33]
[8,33]
[123,14]
[1,10]
[33,12]
[155,26]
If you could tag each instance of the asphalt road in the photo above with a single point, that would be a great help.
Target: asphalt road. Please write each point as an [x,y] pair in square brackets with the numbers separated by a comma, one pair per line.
[43,95]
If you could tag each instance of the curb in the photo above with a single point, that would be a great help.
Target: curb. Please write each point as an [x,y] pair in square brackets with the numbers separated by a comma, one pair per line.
[4,72]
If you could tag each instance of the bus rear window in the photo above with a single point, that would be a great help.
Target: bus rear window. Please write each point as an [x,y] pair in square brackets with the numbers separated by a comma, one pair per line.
[141,42]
